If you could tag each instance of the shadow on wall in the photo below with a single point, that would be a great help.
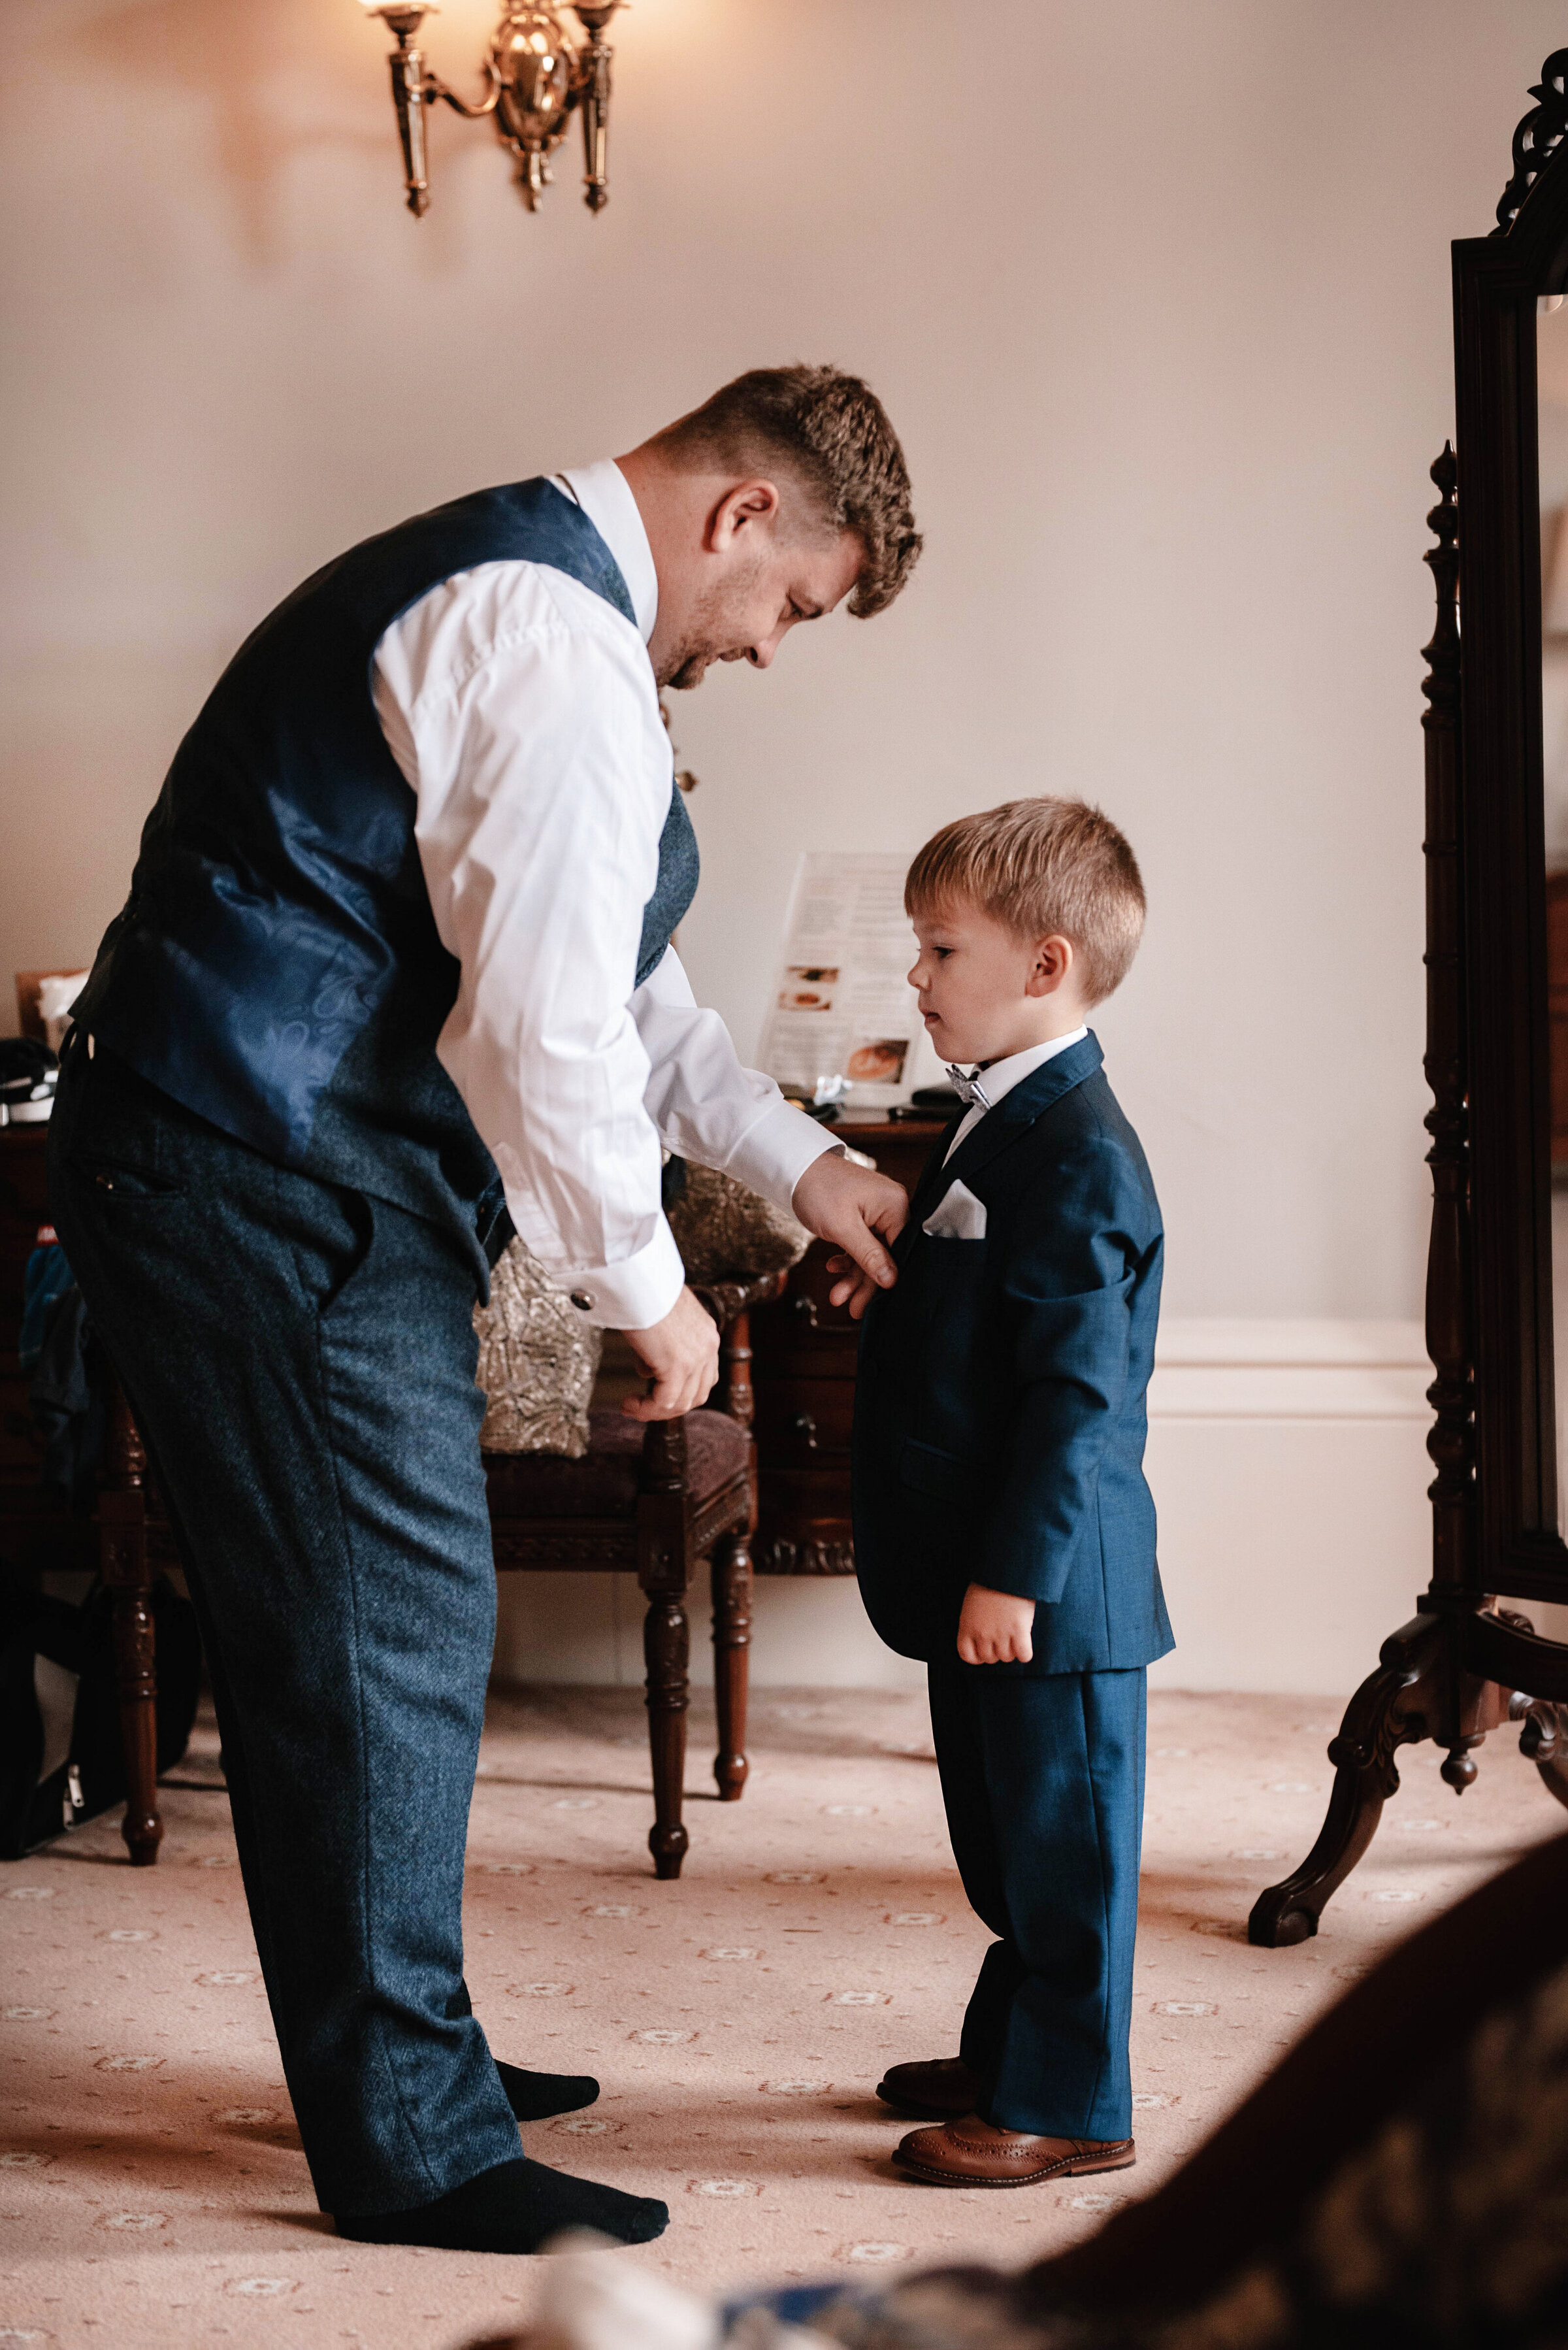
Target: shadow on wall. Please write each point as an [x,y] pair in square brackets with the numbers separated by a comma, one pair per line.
[275,84]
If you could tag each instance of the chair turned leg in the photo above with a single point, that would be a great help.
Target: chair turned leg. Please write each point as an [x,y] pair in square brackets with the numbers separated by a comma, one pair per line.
[122,1550]
[732,1576]
[666,1645]
[664,1563]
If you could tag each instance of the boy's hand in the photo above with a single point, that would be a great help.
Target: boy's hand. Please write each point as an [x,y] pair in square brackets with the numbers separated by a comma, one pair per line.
[995,1628]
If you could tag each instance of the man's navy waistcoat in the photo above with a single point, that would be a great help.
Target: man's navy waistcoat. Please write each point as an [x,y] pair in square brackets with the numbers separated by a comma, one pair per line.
[999,1413]
[277,967]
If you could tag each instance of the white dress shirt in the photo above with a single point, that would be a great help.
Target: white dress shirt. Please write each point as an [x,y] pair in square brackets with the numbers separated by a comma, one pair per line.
[998,1077]
[522,708]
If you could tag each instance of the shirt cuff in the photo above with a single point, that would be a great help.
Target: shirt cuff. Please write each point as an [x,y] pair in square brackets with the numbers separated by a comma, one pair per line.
[632,1296]
[775,1152]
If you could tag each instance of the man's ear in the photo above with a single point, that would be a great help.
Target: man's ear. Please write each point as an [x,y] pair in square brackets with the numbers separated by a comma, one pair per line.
[748,505]
[1053,964]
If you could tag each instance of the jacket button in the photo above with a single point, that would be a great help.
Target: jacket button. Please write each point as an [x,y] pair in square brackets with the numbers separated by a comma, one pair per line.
[583,1299]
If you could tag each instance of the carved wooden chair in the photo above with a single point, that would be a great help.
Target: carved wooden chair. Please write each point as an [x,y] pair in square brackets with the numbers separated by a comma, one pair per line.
[657,1500]
[654,1500]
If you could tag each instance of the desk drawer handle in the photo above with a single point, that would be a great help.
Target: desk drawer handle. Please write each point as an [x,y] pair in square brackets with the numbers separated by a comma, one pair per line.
[803,1427]
[806,1307]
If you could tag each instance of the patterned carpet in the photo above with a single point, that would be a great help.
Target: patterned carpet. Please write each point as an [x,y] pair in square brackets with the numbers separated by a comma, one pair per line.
[152,2188]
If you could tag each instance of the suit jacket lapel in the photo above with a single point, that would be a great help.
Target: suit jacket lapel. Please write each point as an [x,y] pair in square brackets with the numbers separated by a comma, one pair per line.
[1017,1110]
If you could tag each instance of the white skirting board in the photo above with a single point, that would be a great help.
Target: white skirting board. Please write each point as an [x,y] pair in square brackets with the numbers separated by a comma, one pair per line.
[1289,1465]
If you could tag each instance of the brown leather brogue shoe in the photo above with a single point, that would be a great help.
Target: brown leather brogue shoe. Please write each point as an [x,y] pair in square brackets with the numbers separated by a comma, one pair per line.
[972,2153]
[942,2089]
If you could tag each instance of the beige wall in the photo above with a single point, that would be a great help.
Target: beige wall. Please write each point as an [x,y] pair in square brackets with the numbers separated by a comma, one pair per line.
[1157,297]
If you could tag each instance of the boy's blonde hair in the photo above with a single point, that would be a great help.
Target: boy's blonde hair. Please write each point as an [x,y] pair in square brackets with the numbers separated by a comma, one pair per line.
[1041,865]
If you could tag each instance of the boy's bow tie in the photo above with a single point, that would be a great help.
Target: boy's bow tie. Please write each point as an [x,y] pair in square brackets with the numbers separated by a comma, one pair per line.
[969,1089]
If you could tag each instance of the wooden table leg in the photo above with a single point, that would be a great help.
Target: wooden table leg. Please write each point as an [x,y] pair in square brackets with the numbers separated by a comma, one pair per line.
[123,1564]
[664,1569]
[732,1578]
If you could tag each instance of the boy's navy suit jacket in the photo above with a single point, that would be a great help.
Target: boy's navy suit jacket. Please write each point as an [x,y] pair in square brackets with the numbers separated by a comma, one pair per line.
[999,1410]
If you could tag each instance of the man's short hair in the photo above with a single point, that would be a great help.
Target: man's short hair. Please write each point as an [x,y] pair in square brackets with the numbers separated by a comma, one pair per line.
[1041,865]
[830,432]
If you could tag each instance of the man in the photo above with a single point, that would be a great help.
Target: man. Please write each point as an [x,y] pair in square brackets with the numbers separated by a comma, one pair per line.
[394,977]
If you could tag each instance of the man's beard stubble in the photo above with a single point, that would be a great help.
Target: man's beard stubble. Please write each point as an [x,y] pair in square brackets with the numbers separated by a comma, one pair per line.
[709,633]
[687,673]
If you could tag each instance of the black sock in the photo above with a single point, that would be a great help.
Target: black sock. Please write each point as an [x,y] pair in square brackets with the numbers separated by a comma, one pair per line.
[514,2207]
[535,2096]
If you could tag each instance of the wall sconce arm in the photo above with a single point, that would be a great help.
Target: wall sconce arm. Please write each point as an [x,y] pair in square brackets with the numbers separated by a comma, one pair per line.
[438,88]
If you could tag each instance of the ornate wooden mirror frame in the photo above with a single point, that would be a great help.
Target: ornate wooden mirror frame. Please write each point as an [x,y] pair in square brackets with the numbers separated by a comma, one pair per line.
[1465,1665]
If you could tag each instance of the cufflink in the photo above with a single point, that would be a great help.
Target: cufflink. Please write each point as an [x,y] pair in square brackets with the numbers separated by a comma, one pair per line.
[583,1299]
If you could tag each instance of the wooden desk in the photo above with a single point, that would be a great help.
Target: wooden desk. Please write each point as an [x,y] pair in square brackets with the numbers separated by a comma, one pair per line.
[35,1534]
[804,1352]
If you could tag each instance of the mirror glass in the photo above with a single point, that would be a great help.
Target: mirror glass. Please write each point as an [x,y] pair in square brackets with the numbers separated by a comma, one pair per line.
[1551,386]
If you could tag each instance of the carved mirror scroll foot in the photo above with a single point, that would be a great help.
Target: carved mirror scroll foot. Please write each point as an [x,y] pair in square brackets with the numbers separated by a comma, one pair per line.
[1544,1741]
[1394,1707]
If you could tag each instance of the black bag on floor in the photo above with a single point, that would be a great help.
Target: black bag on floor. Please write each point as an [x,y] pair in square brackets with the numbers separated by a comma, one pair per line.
[61,1760]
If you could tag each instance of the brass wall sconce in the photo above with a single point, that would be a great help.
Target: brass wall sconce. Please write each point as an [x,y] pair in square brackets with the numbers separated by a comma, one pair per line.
[535,76]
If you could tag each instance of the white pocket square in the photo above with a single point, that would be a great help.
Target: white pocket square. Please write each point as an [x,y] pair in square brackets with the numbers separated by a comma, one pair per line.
[959,1217]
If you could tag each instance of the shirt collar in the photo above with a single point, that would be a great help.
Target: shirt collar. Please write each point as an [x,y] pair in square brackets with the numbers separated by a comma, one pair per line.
[605,495]
[1001,1077]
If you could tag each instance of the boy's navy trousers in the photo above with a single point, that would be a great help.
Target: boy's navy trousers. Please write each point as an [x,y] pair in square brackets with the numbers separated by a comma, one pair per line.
[300,1360]
[1043,1781]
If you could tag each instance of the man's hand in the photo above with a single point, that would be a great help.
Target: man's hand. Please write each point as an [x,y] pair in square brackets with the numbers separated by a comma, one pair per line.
[995,1628]
[681,1355]
[861,1210]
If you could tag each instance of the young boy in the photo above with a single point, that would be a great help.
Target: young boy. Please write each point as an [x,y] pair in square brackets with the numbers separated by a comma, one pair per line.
[1004,1531]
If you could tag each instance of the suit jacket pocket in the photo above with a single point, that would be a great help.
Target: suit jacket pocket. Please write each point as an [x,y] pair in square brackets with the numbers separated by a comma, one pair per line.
[959,1216]
[930,1471]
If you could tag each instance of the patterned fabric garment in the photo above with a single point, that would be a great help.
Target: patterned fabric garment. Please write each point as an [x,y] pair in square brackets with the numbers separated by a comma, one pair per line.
[1447,2231]
[538,1357]
[537,1361]
[725,1232]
